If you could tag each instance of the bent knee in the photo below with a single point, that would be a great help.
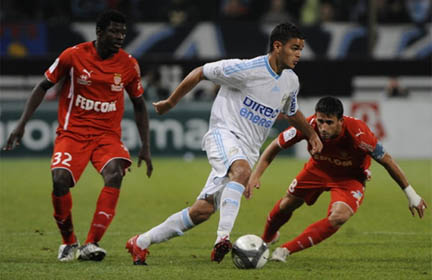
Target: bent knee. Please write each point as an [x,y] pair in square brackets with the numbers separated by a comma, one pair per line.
[62,181]
[337,219]
[240,173]
[201,214]
[62,177]
[114,178]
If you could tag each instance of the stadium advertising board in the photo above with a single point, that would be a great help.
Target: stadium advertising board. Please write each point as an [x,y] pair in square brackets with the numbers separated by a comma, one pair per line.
[178,133]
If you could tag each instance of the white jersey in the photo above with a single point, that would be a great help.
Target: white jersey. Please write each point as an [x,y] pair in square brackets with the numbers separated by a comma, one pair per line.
[250,98]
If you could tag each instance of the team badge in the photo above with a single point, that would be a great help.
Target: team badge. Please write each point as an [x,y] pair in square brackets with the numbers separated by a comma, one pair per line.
[118,85]
[117,78]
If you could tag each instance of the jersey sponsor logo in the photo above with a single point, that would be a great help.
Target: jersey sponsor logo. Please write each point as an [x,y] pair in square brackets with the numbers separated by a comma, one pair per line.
[88,72]
[118,85]
[92,105]
[335,161]
[257,113]
[84,79]
[359,133]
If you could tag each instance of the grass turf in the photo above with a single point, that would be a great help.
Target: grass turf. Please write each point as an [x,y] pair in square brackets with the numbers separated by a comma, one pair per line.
[382,241]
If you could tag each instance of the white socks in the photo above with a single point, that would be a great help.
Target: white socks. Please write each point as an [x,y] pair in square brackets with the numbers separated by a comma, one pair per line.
[175,225]
[229,208]
[180,222]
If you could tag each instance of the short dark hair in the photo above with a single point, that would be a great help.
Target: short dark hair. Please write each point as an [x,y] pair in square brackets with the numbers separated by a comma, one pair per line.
[330,106]
[284,32]
[106,17]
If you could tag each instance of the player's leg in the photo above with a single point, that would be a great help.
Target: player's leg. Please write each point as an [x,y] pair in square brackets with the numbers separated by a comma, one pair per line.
[231,168]
[175,225]
[66,167]
[279,215]
[345,201]
[62,202]
[106,204]
[297,193]
[111,159]
[238,174]
[229,202]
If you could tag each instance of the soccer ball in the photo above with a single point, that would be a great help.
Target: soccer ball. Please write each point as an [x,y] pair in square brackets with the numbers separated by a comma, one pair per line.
[250,251]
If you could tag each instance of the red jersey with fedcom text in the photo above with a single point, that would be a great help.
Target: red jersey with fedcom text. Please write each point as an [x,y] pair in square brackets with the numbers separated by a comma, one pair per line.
[91,98]
[342,158]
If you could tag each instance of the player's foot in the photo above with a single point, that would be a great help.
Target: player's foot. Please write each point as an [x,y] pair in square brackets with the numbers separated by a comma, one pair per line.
[91,252]
[138,255]
[274,239]
[66,253]
[280,254]
[220,250]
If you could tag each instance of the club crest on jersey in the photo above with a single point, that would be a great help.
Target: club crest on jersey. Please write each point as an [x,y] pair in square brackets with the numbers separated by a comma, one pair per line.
[118,85]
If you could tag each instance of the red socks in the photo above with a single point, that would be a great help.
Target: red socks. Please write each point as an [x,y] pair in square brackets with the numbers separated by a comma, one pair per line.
[312,235]
[63,216]
[105,211]
[275,220]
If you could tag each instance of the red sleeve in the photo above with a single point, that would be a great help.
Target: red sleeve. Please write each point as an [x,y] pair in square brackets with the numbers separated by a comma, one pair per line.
[363,137]
[291,135]
[60,67]
[135,88]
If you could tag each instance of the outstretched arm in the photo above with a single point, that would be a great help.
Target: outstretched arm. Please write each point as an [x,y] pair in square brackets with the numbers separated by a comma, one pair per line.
[188,83]
[37,95]
[142,122]
[298,121]
[265,160]
[415,201]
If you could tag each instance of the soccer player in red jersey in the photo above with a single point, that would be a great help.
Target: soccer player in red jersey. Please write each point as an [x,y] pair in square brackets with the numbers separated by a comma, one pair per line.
[341,168]
[93,77]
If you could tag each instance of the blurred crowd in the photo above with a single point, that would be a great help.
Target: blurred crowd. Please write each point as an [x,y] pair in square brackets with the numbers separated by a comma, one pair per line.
[177,12]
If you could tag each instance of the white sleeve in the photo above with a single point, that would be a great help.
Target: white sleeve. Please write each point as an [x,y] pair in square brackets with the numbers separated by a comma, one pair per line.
[291,105]
[225,72]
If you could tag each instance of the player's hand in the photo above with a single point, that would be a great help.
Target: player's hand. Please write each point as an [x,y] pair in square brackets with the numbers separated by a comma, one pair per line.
[420,208]
[14,138]
[316,144]
[163,106]
[144,155]
[254,182]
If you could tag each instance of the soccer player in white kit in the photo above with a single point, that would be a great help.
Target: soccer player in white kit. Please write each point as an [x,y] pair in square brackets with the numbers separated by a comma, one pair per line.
[253,92]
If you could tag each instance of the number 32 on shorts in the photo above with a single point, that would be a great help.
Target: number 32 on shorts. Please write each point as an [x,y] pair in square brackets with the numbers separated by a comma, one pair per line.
[64,158]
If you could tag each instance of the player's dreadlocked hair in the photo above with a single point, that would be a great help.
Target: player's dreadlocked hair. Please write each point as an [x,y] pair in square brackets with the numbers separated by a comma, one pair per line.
[106,17]
[330,106]
[283,32]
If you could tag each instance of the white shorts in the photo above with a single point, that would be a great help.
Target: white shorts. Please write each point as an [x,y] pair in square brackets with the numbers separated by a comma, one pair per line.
[222,148]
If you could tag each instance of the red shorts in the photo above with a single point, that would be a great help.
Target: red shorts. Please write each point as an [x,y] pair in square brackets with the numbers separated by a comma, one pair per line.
[73,154]
[309,187]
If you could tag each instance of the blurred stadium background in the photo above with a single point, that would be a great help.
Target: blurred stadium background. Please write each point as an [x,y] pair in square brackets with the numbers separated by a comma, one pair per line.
[375,55]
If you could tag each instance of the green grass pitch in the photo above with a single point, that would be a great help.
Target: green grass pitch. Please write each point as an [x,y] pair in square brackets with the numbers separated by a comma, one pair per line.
[382,241]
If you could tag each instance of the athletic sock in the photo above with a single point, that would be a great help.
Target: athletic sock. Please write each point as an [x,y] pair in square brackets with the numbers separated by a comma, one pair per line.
[63,217]
[275,220]
[229,208]
[104,213]
[175,225]
[312,235]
